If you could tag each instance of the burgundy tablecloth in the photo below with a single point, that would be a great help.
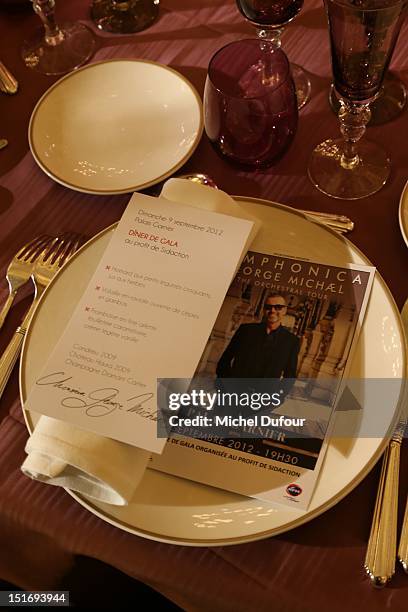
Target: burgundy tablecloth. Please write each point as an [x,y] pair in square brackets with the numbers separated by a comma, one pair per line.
[315,567]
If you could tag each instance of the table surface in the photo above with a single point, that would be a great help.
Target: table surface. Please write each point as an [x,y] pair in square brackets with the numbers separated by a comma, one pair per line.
[311,568]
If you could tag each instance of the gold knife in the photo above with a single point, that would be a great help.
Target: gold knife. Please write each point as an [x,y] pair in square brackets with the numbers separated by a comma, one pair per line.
[382,543]
[403,544]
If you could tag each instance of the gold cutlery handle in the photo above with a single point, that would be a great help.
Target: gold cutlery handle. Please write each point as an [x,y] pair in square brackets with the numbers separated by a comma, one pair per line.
[326,215]
[9,358]
[6,307]
[382,543]
[403,545]
[8,83]
[12,351]
[339,223]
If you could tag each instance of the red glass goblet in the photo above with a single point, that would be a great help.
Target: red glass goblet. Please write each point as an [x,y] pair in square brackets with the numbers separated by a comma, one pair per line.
[250,105]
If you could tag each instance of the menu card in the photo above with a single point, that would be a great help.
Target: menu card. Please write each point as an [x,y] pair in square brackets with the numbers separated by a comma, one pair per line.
[147,313]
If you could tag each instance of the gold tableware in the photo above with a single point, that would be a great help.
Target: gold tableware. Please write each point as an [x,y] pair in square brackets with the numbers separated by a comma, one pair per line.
[52,257]
[8,83]
[382,544]
[339,223]
[403,545]
[21,268]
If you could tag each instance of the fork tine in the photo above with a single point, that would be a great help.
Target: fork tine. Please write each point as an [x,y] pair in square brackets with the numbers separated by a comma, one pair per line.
[31,246]
[60,248]
[70,246]
[78,241]
[47,251]
[35,253]
[57,250]
[50,248]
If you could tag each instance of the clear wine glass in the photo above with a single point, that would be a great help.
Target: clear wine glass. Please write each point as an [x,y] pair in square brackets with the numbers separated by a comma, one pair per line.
[57,49]
[269,18]
[363,34]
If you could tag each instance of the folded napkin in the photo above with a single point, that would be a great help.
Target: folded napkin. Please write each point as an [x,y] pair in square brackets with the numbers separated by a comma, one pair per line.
[104,469]
[101,468]
[189,192]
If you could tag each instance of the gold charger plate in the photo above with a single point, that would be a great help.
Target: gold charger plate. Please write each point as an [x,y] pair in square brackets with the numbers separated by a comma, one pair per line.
[174,510]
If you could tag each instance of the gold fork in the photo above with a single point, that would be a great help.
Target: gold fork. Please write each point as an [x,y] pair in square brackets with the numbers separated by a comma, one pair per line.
[52,257]
[21,268]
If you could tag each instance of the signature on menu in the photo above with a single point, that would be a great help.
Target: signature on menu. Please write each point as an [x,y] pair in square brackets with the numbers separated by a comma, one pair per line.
[98,402]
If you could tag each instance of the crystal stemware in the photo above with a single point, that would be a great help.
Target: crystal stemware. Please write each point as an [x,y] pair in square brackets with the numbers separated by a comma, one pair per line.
[391,100]
[57,49]
[363,34]
[269,18]
[124,16]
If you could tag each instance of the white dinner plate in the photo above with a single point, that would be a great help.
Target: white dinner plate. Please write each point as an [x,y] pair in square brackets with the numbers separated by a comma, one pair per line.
[116,126]
[403,213]
[171,509]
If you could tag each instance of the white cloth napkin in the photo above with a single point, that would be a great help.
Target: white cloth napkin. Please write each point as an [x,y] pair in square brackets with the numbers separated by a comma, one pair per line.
[101,468]
[189,192]
[104,469]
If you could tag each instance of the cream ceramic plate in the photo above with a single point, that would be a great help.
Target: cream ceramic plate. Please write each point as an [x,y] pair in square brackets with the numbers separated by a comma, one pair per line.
[174,510]
[116,126]
[403,213]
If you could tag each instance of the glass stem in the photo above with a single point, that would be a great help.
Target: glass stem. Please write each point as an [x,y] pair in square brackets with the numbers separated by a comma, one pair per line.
[272,38]
[353,122]
[272,35]
[45,11]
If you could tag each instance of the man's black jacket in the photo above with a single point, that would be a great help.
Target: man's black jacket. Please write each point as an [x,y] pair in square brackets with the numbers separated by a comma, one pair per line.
[253,353]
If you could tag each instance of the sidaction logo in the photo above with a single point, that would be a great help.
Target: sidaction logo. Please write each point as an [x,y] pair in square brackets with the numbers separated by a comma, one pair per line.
[294,490]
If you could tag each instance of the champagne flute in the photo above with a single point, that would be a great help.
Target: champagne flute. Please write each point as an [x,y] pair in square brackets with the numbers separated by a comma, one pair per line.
[391,100]
[270,17]
[363,34]
[57,49]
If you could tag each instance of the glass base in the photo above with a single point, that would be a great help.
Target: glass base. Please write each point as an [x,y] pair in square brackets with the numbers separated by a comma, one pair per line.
[389,104]
[74,49]
[302,85]
[364,179]
[124,17]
